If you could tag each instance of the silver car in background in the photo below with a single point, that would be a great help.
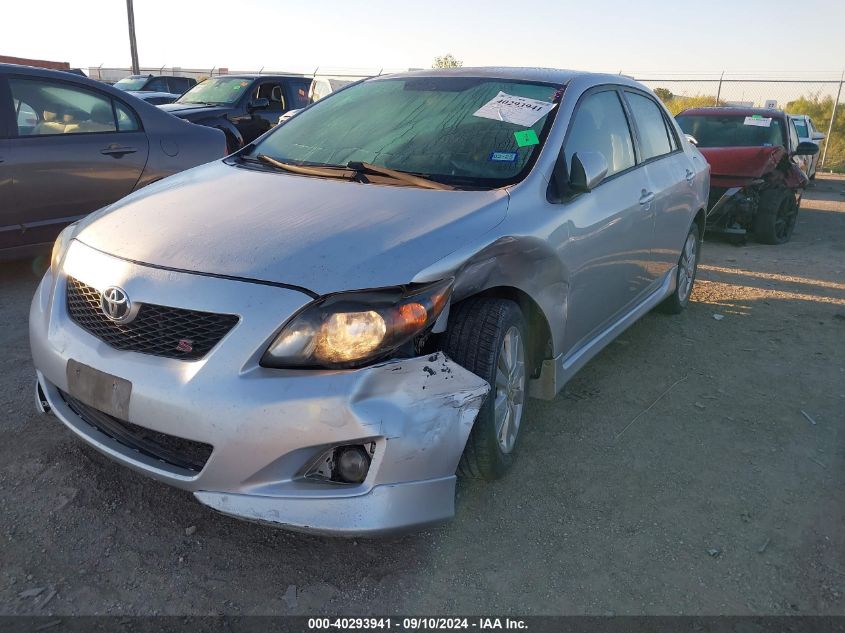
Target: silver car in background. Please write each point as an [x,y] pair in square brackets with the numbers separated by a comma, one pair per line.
[321,329]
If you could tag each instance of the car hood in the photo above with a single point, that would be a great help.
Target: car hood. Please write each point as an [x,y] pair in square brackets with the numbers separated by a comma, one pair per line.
[194,110]
[325,235]
[745,162]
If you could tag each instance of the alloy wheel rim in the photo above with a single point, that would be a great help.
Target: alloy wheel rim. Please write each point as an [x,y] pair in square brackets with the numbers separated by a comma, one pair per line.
[686,271]
[510,389]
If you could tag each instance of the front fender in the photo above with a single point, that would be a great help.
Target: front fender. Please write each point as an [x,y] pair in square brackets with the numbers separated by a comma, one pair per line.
[527,264]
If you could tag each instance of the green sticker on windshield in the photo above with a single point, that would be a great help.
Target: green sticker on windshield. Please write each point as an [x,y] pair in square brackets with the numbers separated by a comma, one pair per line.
[527,137]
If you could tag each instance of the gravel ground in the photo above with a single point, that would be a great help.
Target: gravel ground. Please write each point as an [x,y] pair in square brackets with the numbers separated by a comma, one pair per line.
[694,467]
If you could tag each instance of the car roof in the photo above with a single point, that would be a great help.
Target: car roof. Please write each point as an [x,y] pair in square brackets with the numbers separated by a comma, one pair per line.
[546,75]
[735,111]
[262,76]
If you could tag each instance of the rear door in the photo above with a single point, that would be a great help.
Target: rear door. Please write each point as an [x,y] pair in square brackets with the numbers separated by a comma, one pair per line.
[9,212]
[671,176]
[73,150]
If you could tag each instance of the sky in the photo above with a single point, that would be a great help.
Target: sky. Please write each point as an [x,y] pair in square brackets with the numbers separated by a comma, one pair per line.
[635,37]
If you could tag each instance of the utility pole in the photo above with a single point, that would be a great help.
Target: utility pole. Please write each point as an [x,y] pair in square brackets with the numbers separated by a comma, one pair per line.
[719,90]
[832,117]
[133,47]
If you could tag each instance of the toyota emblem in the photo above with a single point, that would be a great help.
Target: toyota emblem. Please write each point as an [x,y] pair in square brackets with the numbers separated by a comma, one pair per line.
[115,304]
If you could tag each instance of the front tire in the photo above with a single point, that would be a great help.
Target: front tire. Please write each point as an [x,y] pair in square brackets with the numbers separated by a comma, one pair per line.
[685,275]
[488,337]
[776,216]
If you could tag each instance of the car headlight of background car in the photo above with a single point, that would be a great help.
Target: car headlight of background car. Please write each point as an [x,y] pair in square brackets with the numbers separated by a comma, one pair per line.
[350,329]
[60,247]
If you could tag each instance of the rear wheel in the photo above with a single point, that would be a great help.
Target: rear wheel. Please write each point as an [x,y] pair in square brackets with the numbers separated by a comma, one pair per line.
[488,336]
[685,279]
[776,216]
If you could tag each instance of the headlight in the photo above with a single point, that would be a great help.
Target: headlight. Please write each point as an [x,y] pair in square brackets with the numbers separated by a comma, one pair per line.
[352,328]
[60,247]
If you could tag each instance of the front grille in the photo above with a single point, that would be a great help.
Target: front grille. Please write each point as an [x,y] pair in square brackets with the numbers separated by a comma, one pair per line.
[169,449]
[156,330]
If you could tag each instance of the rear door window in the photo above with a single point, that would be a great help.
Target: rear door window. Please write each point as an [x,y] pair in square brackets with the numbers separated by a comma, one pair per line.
[654,136]
[600,125]
[298,93]
[178,85]
[158,84]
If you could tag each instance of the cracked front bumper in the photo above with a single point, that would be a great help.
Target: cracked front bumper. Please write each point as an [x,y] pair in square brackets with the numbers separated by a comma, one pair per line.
[264,426]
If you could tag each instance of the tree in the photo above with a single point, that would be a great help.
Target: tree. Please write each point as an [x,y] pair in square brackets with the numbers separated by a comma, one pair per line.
[664,94]
[447,61]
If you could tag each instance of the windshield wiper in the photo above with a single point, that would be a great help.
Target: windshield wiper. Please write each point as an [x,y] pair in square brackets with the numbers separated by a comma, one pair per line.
[307,170]
[403,176]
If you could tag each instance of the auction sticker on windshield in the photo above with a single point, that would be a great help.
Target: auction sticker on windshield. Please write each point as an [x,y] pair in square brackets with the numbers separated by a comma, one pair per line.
[525,138]
[757,120]
[512,109]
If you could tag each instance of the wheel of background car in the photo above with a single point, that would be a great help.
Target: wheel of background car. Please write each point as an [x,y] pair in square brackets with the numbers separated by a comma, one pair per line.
[685,277]
[776,216]
[488,337]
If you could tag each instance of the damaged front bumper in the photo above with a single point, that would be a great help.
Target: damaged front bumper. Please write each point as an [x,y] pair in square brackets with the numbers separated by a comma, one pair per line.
[731,210]
[257,431]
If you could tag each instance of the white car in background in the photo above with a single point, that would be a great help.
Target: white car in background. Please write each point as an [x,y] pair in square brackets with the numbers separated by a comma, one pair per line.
[807,132]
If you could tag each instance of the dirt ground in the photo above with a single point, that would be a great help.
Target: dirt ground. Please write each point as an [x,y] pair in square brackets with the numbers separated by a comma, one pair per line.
[694,467]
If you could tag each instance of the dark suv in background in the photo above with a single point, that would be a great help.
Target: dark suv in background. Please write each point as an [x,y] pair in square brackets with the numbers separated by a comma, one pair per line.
[242,106]
[156,83]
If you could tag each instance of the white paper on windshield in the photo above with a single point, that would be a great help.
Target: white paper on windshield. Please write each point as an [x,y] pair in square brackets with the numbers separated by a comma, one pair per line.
[511,109]
[759,121]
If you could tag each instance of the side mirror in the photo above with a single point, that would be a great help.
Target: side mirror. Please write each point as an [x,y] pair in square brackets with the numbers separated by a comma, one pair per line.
[691,139]
[806,148]
[259,104]
[818,136]
[588,169]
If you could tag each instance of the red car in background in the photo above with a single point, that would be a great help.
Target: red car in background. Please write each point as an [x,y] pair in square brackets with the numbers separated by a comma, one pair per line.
[755,185]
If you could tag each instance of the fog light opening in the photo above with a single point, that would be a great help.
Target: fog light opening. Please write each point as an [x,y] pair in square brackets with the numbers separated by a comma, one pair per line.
[351,464]
[347,464]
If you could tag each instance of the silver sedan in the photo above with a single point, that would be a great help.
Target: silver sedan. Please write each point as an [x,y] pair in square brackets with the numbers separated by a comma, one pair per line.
[320,330]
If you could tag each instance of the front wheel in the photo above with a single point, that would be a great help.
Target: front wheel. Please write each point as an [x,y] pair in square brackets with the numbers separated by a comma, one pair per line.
[776,216]
[685,276]
[488,337]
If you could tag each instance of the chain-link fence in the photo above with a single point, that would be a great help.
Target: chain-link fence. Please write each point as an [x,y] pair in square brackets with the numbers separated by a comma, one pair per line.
[815,98]
[114,74]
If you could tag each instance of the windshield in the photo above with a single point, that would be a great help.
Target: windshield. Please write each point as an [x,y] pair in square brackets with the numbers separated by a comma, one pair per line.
[131,83]
[801,127]
[220,90]
[734,130]
[465,131]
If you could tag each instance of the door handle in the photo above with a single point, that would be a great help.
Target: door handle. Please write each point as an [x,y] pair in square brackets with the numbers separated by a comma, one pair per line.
[690,176]
[646,197]
[117,151]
